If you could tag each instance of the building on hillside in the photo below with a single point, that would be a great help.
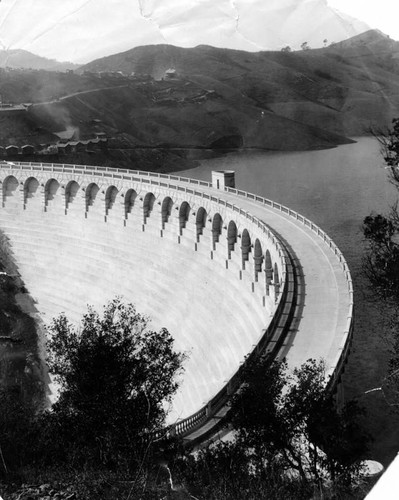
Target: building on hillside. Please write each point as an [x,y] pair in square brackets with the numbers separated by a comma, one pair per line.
[64,148]
[78,146]
[102,136]
[170,74]
[12,150]
[28,149]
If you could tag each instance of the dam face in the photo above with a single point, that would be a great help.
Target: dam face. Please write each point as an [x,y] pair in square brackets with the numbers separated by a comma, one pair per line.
[211,265]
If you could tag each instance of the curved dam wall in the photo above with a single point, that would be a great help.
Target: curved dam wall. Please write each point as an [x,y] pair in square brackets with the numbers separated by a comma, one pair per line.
[207,270]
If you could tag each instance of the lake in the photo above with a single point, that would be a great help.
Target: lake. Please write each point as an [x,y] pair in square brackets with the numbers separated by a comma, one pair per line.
[336,189]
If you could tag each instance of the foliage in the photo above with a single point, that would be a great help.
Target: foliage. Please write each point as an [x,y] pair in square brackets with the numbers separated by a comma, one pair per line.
[225,470]
[305,46]
[292,421]
[17,431]
[389,140]
[286,49]
[381,263]
[116,378]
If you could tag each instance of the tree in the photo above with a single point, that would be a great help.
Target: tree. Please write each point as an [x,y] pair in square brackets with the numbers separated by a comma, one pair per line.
[286,49]
[389,142]
[381,261]
[305,46]
[116,377]
[293,421]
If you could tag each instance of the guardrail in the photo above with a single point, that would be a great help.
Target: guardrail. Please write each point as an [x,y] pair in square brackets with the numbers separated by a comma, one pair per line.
[206,413]
[280,318]
[334,375]
[102,171]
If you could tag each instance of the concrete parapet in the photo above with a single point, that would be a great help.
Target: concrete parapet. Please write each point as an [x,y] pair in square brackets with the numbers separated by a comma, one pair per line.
[193,257]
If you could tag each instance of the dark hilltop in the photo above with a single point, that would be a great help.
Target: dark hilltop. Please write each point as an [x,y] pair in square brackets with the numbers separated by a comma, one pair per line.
[159,106]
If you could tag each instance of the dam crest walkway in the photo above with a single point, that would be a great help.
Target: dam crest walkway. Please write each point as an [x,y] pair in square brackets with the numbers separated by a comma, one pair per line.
[306,313]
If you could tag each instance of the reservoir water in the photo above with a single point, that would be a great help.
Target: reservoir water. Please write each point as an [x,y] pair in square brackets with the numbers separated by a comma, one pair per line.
[336,189]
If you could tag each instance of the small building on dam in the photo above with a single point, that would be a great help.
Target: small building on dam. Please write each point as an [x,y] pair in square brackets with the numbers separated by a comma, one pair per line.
[228,273]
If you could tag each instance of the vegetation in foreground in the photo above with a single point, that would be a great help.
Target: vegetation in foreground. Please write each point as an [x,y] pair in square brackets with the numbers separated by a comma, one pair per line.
[381,263]
[101,439]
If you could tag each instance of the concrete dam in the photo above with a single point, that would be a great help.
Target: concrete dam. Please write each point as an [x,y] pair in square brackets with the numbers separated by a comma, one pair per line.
[228,273]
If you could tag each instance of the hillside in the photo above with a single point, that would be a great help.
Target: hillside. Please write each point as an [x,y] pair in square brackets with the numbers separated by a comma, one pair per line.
[165,98]
[19,58]
[342,89]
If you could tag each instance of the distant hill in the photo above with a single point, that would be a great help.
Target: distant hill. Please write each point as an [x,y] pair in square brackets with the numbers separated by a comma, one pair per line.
[241,24]
[23,59]
[342,89]
[213,98]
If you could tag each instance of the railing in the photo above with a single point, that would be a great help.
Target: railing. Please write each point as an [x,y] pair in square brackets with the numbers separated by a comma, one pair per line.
[280,319]
[150,178]
[195,421]
[109,172]
[269,344]
[335,373]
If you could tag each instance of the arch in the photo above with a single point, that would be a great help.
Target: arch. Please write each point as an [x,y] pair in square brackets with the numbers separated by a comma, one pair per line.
[258,258]
[166,210]
[70,192]
[148,205]
[130,199]
[30,188]
[50,190]
[276,280]
[268,270]
[200,222]
[217,222]
[110,197]
[245,247]
[10,187]
[91,193]
[184,212]
[231,237]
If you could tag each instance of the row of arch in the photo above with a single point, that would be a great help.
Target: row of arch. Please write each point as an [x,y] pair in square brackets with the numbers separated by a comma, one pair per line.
[262,259]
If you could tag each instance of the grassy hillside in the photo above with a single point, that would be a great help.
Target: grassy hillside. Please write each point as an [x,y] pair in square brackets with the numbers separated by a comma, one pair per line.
[217,99]
[343,88]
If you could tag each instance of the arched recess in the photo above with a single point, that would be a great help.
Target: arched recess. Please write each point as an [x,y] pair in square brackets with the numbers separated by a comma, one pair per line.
[245,247]
[166,210]
[258,258]
[268,270]
[50,190]
[200,222]
[148,205]
[31,187]
[70,192]
[91,194]
[217,222]
[130,199]
[184,212]
[231,237]
[10,187]
[110,197]
[276,280]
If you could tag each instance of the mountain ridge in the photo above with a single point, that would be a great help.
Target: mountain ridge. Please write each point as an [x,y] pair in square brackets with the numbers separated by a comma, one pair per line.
[23,59]
[216,99]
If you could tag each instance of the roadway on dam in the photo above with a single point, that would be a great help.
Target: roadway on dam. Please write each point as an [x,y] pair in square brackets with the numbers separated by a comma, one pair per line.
[321,330]
[322,322]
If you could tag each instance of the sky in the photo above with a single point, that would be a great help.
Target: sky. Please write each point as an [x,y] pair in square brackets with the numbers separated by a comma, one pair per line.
[82,30]
[380,14]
